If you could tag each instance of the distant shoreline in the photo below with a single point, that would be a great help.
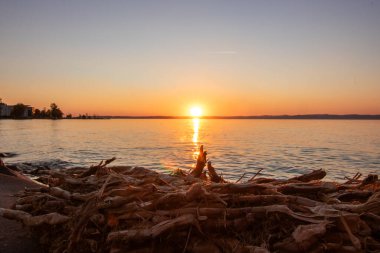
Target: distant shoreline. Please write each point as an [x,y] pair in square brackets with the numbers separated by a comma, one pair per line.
[304,116]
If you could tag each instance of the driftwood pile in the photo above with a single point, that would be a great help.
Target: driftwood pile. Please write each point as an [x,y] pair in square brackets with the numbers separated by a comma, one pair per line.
[125,209]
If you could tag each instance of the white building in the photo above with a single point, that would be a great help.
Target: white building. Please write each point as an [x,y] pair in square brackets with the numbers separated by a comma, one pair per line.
[6,110]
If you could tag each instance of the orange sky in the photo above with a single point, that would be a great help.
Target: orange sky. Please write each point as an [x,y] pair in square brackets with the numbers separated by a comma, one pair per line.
[177,100]
[160,57]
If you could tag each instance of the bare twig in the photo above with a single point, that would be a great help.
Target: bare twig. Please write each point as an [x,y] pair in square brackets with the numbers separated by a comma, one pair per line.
[187,240]
[256,174]
[241,177]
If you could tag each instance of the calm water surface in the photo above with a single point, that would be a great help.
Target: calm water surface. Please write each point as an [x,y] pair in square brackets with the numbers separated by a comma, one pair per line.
[282,147]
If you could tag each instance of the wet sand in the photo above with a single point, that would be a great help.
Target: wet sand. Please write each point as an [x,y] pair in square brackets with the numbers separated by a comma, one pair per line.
[14,238]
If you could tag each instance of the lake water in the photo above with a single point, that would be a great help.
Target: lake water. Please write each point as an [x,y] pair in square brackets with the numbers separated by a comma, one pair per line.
[284,148]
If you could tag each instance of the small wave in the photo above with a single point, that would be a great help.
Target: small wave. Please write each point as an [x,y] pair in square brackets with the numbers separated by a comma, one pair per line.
[7,155]
[48,164]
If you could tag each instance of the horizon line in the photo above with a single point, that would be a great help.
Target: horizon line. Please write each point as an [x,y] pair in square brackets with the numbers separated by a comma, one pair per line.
[282,116]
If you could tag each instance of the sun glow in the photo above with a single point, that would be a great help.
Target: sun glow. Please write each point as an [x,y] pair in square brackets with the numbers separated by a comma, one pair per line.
[196,111]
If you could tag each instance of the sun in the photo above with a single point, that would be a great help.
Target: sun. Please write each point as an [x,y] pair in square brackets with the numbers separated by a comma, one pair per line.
[196,111]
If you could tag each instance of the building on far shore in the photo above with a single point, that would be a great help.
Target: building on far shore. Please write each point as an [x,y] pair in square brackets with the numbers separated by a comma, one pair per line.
[6,111]
[28,113]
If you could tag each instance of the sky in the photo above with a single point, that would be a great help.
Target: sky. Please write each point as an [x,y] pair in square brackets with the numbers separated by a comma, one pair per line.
[242,57]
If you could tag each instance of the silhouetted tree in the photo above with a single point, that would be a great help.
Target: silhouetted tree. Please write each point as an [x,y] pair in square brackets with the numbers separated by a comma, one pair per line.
[18,111]
[45,114]
[55,112]
[69,116]
[37,113]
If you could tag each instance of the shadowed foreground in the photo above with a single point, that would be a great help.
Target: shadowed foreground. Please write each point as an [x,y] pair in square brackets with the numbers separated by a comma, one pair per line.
[14,237]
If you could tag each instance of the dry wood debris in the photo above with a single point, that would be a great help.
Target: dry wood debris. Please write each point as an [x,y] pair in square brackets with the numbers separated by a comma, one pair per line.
[125,209]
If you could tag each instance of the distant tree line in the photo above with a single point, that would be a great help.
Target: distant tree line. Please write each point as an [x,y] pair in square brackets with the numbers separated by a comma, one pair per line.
[22,111]
[19,111]
[53,113]
[86,116]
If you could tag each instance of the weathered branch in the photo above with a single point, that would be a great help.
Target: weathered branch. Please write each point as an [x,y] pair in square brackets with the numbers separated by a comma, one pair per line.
[314,175]
[201,163]
[213,176]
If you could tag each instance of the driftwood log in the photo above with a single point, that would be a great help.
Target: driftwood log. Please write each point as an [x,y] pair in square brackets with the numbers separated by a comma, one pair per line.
[5,170]
[126,209]
[201,163]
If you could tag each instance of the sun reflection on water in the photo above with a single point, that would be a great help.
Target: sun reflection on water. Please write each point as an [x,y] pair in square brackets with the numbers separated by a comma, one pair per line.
[195,130]
[196,124]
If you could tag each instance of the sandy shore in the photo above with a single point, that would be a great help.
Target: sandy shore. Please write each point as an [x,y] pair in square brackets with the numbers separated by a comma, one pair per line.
[14,238]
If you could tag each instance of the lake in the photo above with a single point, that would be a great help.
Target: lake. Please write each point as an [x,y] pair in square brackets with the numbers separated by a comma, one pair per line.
[284,148]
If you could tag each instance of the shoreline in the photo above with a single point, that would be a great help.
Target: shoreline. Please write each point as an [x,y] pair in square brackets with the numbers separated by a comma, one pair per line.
[287,117]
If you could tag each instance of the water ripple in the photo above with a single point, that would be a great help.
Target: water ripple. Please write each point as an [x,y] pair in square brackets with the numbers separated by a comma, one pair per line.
[283,148]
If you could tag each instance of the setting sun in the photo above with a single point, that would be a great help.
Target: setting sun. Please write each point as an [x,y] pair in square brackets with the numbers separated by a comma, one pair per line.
[196,111]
